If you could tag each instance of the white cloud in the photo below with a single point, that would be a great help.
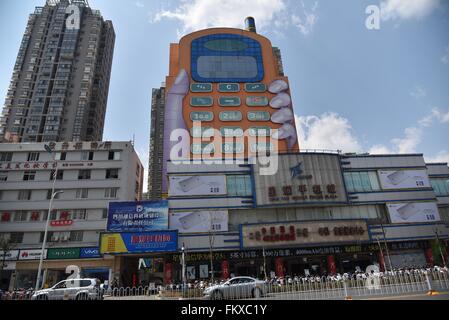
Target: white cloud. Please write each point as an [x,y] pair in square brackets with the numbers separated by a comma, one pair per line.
[436,114]
[139,4]
[440,157]
[407,9]
[328,131]
[445,58]
[274,15]
[418,92]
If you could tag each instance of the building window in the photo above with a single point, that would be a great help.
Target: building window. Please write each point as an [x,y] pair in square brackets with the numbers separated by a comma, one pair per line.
[16,237]
[76,236]
[110,193]
[105,214]
[84,174]
[361,181]
[114,155]
[79,214]
[20,216]
[87,155]
[239,185]
[5,156]
[111,173]
[59,176]
[3,175]
[440,186]
[33,156]
[50,237]
[24,195]
[82,193]
[61,156]
[29,175]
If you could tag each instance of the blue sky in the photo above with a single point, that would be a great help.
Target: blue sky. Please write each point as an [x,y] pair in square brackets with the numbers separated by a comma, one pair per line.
[354,89]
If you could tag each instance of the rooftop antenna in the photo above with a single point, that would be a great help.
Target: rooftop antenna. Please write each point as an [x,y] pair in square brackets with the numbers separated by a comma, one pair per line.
[134,139]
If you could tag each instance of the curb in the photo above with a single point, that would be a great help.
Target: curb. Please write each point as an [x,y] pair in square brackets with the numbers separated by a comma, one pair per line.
[433,293]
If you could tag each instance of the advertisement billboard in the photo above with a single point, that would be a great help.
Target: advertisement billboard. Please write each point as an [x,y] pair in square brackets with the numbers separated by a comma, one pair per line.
[33,254]
[143,242]
[301,179]
[197,186]
[290,234]
[10,255]
[413,212]
[87,253]
[63,253]
[403,179]
[199,221]
[138,216]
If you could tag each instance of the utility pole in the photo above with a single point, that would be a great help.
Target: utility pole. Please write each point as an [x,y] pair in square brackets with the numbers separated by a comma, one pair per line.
[211,244]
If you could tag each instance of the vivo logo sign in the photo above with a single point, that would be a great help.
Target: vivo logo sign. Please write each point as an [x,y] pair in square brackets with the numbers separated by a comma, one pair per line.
[89,253]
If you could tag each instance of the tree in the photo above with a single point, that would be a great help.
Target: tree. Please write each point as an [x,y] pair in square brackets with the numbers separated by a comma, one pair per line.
[5,246]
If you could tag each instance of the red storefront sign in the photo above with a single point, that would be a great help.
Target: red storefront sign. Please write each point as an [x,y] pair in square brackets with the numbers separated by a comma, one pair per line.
[225,269]
[61,223]
[331,266]
[168,273]
[279,267]
[381,261]
[429,257]
[6,217]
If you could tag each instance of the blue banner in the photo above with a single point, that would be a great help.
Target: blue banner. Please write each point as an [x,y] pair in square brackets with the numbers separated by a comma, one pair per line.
[138,216]
[156,241]
[86,253]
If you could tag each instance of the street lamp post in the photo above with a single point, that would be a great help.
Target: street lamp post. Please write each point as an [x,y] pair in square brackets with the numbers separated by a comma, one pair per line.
[386,247]
[44,241]
[439,246]
[183,265]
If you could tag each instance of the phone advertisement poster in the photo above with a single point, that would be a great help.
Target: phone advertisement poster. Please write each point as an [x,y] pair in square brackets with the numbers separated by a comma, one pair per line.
[138,216]
[413,212]
[197,186]
[404,179]
[199,221]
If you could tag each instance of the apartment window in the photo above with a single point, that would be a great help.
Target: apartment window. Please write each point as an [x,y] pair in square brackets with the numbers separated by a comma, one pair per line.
[361,181]
[33,156]
[105,214]
[111,173]
[20,216]
[114,155]
[3,175]
[440,186]
[61,155]
[239,186]
[5,156]
[76,236]
[79,214]
[84,174]
[50,237]
[24,195]
[82,193]
[16,237]
[29,175]
[59,176]
[110,193]
[87,155]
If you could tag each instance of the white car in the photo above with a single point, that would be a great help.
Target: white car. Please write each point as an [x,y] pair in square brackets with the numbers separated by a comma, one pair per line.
[237,288]
[72,289]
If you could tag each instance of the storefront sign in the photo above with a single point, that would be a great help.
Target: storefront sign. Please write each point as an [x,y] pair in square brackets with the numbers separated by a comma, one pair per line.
[10,166]
[413,212]
[404,179]
[32,254]
[156,241]
[138,216]
[298,233]
[168,273]
[86,253]
[200,257]
[197,186]
[61,223]
[301,179]
[199,221]
[63,253]
[11,255]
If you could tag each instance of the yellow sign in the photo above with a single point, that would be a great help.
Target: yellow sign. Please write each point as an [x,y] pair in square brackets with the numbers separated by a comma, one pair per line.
[112,243]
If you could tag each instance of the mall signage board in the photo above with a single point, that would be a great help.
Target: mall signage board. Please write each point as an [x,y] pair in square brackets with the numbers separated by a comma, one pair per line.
[137,216]
[63,253]
[141,242]
[301,179]
[206,185]
[10,255]
[403,179]
[33,254]
[199,221]
[412,212]
[290,234]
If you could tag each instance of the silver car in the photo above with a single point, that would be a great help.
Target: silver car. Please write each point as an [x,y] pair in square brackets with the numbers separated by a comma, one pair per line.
[237,288]
[72,289]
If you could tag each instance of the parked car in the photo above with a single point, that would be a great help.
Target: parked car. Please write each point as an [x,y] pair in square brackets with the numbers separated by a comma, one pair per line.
[72,289]
[237,288]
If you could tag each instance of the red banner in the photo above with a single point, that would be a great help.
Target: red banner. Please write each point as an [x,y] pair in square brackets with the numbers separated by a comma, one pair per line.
[225,269]
[279,267]
[61,223]
[331,266]
[168,273]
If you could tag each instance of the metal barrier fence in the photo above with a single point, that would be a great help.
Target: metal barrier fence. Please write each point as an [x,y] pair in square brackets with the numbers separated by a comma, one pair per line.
[315,288]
